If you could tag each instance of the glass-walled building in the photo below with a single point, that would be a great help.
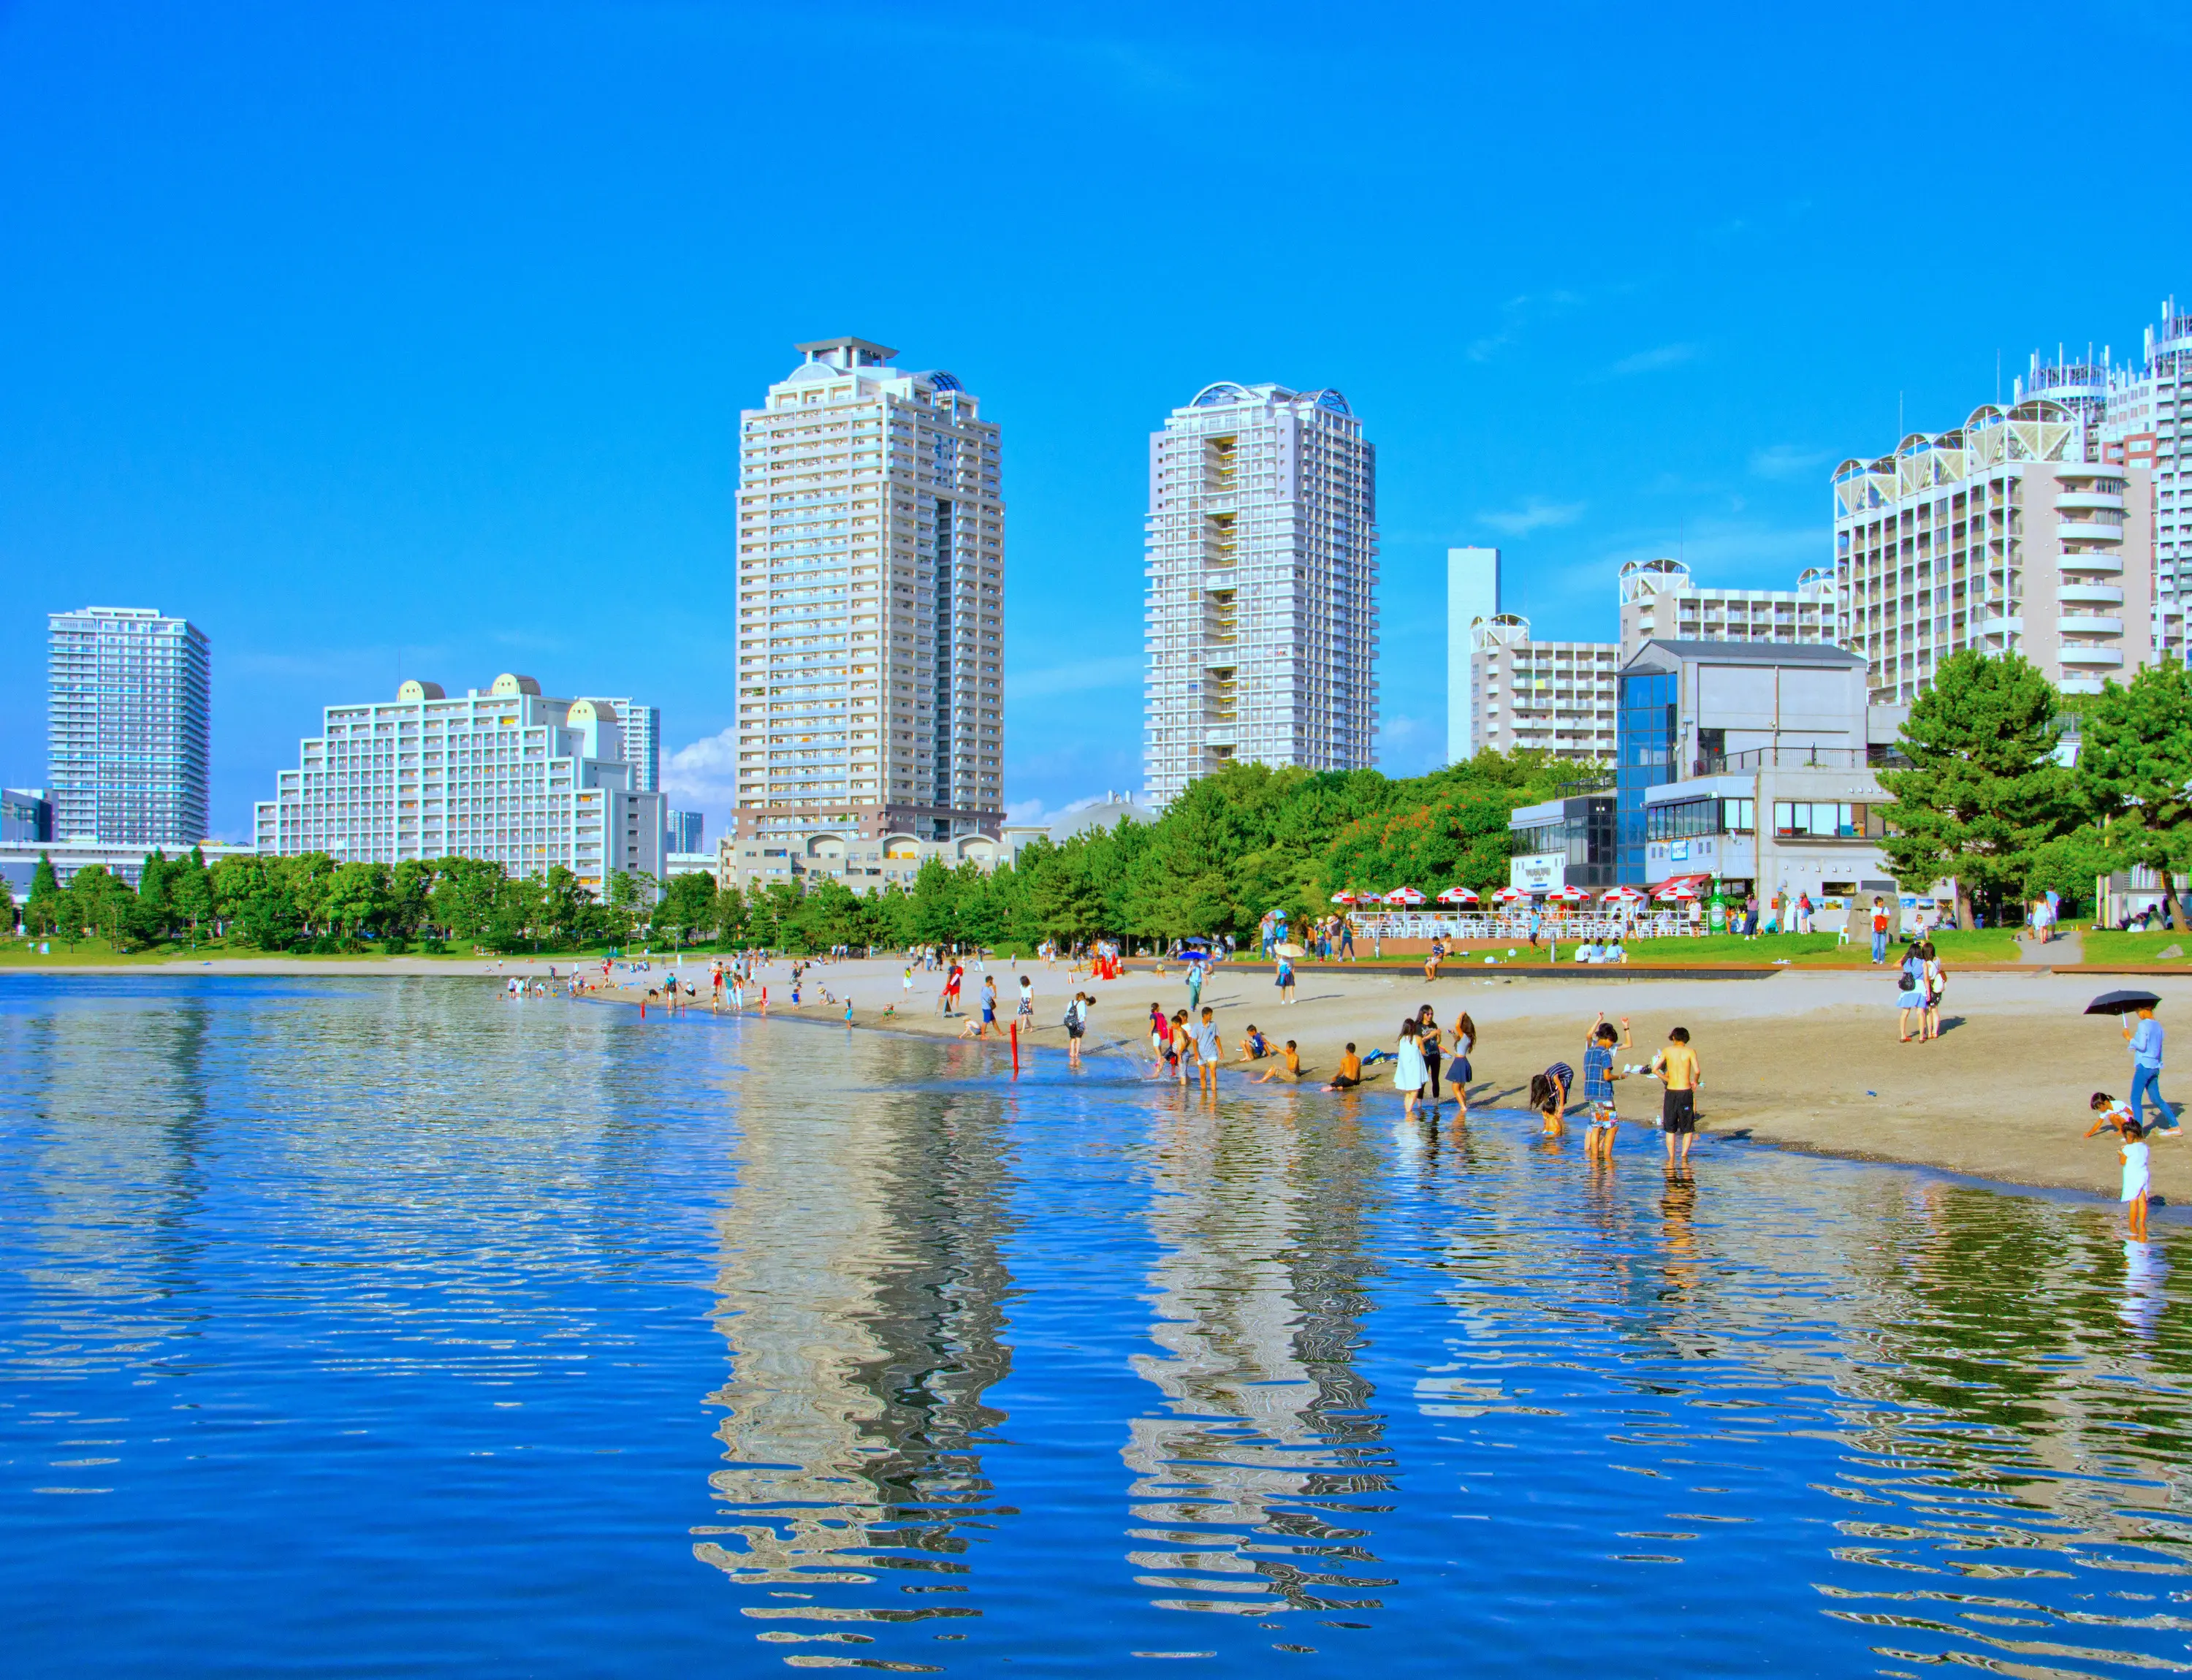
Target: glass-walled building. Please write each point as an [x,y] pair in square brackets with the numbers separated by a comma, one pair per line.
[1648,730]
[1751,768]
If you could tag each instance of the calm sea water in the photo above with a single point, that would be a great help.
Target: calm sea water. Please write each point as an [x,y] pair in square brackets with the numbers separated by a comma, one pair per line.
[386,1327]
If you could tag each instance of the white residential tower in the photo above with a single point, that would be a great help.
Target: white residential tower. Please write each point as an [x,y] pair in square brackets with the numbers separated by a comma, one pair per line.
[871,593]
[1262,564]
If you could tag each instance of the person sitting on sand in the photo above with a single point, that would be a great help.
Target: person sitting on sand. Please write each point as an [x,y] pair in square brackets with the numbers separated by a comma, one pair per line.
[1350,1070]
[1288,1067]
[1254,1047]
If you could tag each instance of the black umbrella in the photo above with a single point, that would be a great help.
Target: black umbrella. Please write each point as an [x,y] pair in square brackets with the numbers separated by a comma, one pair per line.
[2121,1002]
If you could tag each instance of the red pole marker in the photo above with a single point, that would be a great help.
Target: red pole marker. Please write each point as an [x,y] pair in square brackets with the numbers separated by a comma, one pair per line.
[1016,1049]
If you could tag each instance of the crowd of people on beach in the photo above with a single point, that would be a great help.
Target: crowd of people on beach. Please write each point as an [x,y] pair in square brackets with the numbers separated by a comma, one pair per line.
[1431,1063]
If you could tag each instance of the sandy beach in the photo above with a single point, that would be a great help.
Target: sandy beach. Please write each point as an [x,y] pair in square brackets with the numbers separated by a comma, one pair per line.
[1805,1060]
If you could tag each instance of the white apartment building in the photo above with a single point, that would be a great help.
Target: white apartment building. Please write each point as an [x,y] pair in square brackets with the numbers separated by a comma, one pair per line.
[509,776]
[869,669]
[2148,425]
[129,706]
[1555,695]
[2007,533]
[1472,592]
[1660,601]
[1262,625]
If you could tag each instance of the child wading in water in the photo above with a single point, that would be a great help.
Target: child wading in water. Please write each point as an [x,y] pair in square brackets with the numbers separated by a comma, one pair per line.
[2111,1116]
[1678,1071]
[1599,1074]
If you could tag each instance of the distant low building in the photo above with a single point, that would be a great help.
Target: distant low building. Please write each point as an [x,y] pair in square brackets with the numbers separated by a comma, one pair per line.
[1103,815]
[756,862]
[19,859]
[26,814]
[1556,696]
[509,776]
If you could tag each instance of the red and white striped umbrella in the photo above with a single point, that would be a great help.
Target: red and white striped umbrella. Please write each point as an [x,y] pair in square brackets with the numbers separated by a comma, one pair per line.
[1677,892]
[1347,898]
[1511,895]
[1457,895]
[1624,895]
[1567,895]
[1404,895]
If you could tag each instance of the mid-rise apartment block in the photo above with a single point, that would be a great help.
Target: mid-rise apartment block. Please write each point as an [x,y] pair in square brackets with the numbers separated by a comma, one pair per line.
[1261,631]
[2149,425]
[2008,534]
[1661,601]
[1472,594]
[130,707]
[870,671]
[1558,696]
[509,776]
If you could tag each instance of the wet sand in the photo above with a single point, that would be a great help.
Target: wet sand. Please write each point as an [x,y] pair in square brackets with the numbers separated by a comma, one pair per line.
[1805,1060]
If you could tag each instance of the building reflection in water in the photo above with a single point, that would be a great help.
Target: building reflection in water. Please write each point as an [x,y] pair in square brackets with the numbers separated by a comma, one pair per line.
[1253,1486]
[861,1293]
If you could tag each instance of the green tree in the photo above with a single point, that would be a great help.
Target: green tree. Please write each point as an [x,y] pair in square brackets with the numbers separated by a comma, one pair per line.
[190,893]
[688,905]
[728,916]
[357,896]
[39,909]
[1983,792]
[2134,771]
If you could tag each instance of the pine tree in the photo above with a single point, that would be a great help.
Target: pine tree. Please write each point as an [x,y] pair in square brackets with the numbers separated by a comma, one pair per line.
[1983,792]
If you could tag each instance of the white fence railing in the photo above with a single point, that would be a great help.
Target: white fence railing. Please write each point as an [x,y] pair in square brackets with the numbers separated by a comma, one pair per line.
[1500,924]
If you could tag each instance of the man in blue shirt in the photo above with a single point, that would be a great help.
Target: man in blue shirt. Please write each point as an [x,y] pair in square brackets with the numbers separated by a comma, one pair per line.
[2145,1040]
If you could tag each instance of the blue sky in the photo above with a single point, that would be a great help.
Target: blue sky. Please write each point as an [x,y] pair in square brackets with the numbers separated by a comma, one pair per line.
[390,338]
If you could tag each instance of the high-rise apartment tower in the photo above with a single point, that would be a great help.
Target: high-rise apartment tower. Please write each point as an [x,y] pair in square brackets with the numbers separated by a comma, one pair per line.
[1262,625]
[128,719]
[871,597]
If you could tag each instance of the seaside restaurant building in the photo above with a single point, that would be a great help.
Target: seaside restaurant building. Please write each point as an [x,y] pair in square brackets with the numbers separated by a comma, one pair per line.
[1741,766]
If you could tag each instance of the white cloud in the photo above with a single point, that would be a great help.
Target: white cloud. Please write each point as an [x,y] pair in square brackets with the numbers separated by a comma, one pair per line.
[704,776]
[1789,461]
[1123,670]
[1653,361]
[1535,514]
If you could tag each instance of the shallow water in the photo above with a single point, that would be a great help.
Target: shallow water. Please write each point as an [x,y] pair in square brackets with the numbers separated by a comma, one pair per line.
[385,1327]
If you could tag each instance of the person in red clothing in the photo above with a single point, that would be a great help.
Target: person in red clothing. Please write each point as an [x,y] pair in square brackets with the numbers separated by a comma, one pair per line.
[952,988]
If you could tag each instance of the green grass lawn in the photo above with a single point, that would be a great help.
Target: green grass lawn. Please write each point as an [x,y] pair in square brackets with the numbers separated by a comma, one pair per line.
[2111,946]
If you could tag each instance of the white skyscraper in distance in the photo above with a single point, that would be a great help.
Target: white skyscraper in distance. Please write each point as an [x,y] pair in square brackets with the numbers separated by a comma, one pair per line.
[1262,625]
[1472,592]
[2150,425]
[869,669]
[128,726]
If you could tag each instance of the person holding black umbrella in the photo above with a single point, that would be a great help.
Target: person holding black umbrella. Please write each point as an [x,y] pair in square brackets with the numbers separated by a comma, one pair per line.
[2144,1038]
